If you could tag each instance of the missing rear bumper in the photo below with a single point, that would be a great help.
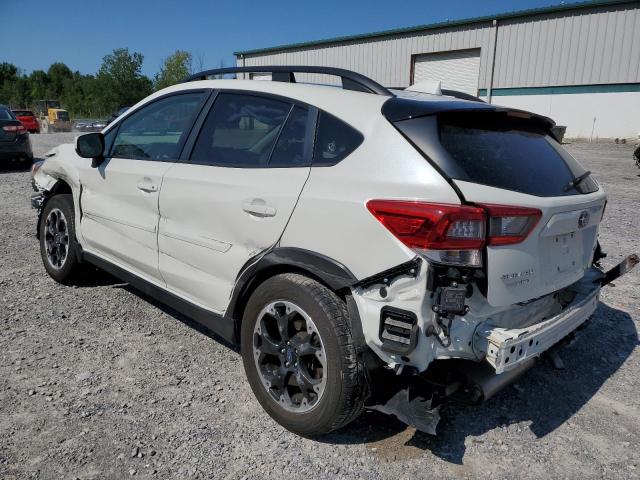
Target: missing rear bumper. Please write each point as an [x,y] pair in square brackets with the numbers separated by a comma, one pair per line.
[506,349]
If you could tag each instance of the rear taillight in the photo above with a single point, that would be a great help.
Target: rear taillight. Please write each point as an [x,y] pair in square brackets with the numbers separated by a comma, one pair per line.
[454,234]
[451,234]
[510,225]
[17,129]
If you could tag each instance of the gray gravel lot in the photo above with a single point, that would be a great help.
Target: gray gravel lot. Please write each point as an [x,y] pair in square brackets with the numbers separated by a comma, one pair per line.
[98,382]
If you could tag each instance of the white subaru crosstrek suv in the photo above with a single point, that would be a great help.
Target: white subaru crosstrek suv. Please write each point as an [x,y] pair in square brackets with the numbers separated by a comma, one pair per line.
[365,247]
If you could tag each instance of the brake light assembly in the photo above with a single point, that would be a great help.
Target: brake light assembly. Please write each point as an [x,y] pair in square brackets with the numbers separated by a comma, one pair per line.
[454,234]
[17,129]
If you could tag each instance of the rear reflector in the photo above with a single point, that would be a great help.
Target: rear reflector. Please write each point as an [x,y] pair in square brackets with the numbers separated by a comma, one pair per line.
[454,234]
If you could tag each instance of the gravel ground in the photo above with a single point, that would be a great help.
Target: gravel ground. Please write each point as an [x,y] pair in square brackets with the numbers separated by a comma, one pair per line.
[98,382]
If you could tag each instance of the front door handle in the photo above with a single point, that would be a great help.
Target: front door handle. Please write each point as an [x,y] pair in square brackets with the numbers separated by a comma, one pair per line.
[258,208]
[147,187]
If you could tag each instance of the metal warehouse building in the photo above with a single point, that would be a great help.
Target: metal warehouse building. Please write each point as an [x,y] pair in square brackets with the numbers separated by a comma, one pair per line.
[577,63]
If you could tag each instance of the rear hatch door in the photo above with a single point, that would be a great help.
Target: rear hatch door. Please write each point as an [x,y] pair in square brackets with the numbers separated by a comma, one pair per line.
[555,254]
[508,158]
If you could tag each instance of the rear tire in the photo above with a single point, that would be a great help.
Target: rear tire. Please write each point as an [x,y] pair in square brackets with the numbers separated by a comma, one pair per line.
[58,246]
[323,384]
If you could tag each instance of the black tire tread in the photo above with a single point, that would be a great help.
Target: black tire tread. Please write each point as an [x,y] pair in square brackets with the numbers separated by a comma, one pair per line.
[348,404]
[72,269]
[353,382]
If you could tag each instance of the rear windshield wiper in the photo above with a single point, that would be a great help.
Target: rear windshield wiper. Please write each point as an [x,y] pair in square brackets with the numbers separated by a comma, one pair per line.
[576,181]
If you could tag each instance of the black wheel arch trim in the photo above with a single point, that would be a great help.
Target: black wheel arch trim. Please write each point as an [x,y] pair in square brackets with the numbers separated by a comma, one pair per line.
[280,259]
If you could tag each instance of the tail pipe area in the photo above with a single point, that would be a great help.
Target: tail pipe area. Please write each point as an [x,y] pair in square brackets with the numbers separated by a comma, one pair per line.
[484,383]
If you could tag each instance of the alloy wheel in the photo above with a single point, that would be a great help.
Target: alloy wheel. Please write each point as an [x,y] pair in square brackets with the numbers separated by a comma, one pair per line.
[290,356]
[56,238]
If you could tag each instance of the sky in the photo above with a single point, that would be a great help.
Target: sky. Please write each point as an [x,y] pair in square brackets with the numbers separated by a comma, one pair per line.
[36,33]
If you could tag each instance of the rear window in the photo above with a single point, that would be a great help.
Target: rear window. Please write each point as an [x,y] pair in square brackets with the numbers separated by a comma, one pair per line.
[23,113]
[504,152]
[6,114]
[64,116]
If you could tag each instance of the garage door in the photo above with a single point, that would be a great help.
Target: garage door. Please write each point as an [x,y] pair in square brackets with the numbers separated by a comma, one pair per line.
[457,70]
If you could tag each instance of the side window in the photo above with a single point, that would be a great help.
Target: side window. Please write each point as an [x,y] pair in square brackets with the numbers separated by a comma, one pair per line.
[155,131]
[290,149]
[240,131]
[335,140]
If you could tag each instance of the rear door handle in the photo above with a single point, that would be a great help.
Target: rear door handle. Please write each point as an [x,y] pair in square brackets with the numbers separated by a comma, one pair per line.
[258,208]
[147,187]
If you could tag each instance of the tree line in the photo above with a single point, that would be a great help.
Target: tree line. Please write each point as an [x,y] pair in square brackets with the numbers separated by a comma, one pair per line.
[118,83]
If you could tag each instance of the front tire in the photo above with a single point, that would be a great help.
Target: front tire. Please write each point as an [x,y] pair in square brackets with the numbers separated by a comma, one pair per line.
[58,246]
[300,357]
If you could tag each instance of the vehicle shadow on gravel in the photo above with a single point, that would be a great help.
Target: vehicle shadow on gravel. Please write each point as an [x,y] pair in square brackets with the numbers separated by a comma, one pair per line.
[177,315]
[543,399]
[13,167]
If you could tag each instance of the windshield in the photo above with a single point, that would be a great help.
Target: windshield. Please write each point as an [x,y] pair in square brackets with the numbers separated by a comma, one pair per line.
[62,116]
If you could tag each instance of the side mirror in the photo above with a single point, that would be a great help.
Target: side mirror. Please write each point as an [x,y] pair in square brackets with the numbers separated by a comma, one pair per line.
[91,145]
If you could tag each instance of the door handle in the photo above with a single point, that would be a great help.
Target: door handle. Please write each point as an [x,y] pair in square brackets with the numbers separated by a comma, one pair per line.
[258,208]
[147,187]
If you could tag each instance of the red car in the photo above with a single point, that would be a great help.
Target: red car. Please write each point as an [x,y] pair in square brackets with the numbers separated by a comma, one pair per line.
[28,119]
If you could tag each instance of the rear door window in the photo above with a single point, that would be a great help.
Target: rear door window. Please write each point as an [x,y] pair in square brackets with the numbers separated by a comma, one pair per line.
[291,149]
[241,131]
[503,152]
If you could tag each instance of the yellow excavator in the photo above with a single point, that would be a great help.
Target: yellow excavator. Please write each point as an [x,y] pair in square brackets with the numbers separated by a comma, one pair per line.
[51,117]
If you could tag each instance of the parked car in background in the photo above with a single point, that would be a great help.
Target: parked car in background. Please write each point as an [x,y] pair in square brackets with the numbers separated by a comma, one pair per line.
[15,144]
[364,246]
[90,126]
[28,119]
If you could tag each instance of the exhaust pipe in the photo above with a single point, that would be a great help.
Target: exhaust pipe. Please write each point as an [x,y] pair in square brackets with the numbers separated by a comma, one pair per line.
[484,383]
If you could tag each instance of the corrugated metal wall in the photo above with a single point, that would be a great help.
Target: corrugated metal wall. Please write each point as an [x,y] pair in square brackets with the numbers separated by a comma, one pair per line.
[575,48]
[387,59]
[581,47]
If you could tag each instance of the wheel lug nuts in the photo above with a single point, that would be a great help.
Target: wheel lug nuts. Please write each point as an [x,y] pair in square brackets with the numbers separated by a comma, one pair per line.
[295,364]
[282,350]
[286,364]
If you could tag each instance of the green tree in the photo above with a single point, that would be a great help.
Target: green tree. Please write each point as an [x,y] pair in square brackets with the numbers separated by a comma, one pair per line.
[39,85]
[120,79]
[174,69]
[8,72]
[8,77]
[58,74]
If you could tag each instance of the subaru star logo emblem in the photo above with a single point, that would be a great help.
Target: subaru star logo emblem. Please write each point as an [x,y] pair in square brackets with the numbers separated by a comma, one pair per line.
[583,220]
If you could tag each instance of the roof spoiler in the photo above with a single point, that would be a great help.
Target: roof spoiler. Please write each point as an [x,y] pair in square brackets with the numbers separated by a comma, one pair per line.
[285,73]
[398,109]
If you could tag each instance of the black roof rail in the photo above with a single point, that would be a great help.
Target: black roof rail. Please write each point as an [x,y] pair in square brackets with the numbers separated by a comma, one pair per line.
[285,73]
